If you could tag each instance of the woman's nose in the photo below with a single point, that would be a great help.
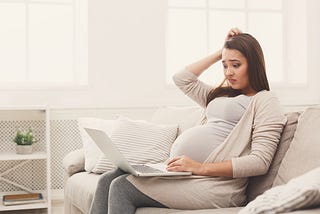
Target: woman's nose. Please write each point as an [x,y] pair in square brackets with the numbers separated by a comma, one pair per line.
[229,72]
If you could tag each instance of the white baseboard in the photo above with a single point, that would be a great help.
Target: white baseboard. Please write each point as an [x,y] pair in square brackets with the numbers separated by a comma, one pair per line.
[57,194]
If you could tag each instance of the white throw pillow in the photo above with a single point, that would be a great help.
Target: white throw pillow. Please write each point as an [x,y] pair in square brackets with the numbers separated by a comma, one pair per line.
[300,192]
[91,151]
[140,142]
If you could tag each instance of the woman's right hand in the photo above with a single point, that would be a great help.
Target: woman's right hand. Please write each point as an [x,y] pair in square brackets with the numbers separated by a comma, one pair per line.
[232,32]
[184,164]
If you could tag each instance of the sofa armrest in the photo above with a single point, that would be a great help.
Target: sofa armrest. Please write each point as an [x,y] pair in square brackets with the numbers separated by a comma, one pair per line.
[73,162]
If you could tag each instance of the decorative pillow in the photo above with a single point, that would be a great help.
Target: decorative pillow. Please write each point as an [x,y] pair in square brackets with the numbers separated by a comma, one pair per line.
[303,153]
[259,184]
[74,162]
[91,150]
[300,192]
[140,142]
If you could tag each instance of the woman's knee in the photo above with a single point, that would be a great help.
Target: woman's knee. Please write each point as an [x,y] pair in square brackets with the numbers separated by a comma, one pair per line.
[118,185]
[121,190]
[109,176]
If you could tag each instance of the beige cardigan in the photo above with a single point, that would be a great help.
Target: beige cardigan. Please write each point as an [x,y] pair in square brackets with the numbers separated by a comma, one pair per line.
[251,146]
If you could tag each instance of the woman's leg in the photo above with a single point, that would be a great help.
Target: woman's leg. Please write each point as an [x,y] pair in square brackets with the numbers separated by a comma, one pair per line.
[100,200]
[125,197]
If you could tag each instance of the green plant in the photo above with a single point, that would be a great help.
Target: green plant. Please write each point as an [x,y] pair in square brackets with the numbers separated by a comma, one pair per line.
[24,137]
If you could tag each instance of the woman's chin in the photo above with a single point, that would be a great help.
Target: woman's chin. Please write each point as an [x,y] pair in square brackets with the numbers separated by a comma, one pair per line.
[234,87]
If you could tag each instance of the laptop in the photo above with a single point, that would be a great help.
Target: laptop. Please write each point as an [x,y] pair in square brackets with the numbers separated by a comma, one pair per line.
[110,150]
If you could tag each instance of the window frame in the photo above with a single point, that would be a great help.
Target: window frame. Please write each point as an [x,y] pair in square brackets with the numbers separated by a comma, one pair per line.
[79,50]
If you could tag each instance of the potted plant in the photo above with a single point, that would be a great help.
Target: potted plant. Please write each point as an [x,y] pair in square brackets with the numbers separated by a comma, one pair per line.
[24,141]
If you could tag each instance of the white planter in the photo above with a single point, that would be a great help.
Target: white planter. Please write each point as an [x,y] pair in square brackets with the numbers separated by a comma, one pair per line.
[23,149]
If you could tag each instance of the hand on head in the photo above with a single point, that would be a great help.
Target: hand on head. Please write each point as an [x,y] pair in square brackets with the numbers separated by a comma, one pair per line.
[232,32]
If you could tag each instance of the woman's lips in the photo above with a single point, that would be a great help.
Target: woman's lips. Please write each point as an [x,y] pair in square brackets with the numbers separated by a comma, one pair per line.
[232,81]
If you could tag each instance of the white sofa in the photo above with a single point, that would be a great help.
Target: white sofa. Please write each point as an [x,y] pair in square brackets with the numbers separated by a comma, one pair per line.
[298,152]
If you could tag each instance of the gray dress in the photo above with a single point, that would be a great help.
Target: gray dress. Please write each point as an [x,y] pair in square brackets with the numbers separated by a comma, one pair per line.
[222,115]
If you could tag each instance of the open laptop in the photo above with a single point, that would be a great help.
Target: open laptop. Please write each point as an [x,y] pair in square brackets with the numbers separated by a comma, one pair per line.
[113,154]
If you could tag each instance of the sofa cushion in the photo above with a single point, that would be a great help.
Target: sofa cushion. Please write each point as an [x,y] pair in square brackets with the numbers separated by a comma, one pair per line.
[232,210]
[140,142]
[80,188]
[148,210]
[299,193]
[304,150]
[259,184]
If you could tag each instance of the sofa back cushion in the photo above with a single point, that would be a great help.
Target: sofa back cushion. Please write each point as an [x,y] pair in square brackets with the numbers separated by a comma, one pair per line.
[304,150]
[259,184]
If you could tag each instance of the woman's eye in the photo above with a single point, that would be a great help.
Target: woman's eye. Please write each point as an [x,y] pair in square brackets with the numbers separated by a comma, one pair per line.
[236,65]
[224,66]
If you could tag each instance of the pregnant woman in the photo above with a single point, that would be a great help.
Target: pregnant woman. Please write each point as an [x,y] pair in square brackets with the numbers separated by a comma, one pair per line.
[238,140]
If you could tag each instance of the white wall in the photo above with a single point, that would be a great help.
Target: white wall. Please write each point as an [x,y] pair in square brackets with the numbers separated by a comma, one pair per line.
[126,52]
[127,61]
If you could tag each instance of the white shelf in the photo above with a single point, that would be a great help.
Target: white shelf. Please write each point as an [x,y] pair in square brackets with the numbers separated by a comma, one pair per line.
[29,114]
[8,156]
[42,205]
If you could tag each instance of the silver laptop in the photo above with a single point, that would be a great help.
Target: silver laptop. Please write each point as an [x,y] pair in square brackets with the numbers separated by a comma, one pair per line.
[113,154]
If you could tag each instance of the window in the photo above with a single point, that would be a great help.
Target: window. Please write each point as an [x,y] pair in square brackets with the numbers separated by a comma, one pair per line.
[43,43]
[196,28]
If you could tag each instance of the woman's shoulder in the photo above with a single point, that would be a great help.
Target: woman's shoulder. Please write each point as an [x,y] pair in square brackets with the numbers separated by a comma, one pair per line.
[265,95]
[266,99]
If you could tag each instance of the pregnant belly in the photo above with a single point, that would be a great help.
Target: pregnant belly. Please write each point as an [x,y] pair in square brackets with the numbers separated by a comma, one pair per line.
[197,142]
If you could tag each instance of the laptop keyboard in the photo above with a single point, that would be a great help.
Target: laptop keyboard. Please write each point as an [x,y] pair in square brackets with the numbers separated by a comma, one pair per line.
[146,169]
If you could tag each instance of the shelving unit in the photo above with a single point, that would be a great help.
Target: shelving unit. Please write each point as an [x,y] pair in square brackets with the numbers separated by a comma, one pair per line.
[25,173]
[34,206]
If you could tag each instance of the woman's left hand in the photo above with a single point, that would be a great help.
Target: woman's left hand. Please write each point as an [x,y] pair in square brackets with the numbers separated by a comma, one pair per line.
[183,164]
[233,32]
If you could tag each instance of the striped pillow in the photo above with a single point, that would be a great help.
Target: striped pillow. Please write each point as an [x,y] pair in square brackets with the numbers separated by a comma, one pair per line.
[140,142]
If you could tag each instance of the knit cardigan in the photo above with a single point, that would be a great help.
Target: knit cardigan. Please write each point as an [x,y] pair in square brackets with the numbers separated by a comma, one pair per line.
[250,146]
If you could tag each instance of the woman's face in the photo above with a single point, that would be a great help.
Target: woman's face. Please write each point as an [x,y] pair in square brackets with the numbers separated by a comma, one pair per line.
[235,68]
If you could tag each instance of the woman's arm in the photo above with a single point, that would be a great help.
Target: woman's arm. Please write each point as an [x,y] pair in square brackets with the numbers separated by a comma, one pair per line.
[187,80]
[268,125]
[198,67]
[191,86]
[184,163]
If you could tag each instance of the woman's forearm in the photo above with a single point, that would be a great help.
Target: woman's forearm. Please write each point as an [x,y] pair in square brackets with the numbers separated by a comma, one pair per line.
[223,169]
[200,66]
[184,163]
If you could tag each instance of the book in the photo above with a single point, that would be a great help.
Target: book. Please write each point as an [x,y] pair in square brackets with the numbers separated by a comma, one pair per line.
[28,198]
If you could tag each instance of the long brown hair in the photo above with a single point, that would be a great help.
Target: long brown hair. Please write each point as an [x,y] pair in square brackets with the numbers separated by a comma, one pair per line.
[250,48]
